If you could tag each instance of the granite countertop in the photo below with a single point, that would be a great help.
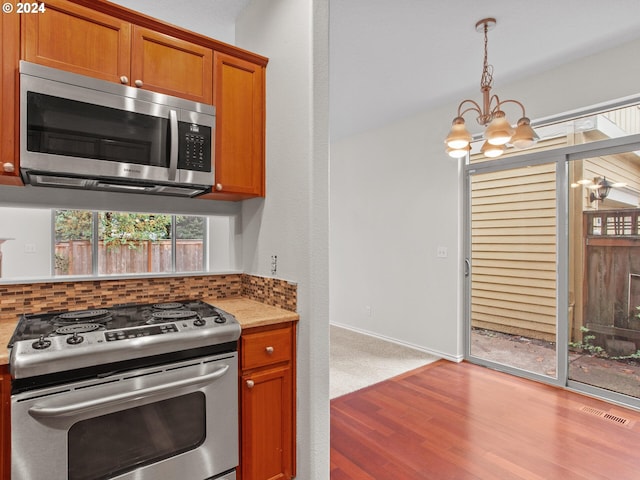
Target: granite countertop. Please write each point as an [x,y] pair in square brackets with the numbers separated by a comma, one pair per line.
[250,314]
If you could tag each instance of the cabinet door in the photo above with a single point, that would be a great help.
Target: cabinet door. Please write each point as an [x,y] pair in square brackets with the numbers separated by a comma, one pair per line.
[169,65]
[5,423]
[9,55]
[266,399]
[77,39]
[240,117]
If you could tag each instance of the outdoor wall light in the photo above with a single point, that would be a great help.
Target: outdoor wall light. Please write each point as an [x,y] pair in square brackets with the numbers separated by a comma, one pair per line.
[499,131]
[599,189]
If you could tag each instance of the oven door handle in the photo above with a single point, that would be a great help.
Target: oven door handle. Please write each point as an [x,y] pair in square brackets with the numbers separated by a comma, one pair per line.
[136,397]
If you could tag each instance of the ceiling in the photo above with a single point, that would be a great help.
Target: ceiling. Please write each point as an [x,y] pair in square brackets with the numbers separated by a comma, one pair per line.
[393,58]
[390,59]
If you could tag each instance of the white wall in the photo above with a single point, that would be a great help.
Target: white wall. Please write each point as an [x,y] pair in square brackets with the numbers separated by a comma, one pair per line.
[396,197]
[224,248]
[292,222]
[213,19]
[28,254]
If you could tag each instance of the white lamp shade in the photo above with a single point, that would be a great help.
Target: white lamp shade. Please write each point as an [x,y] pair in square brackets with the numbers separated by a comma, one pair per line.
[459,137]
[458,153]
[525,136]
[492,151]
[498,132]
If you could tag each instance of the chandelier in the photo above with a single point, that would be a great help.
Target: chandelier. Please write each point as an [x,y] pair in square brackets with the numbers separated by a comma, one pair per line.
[498,131]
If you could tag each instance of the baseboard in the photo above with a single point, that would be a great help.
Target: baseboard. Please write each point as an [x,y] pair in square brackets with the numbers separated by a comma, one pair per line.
[436,353]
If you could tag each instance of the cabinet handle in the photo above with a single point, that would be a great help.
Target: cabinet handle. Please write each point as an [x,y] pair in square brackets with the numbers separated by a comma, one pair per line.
[218,187]
[138,83]
[8,167]
[269,350]
[124,80]
[250,383]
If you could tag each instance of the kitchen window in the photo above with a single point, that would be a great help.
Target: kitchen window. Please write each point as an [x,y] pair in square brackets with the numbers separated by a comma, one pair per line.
[114,243]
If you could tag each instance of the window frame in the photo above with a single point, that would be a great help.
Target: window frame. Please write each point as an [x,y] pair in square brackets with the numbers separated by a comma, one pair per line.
[95,228]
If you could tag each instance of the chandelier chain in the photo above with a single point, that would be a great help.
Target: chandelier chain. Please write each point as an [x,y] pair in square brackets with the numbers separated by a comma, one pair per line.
[487,70]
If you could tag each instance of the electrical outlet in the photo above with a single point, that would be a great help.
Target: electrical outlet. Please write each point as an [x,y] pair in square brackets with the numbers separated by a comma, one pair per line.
[29,248]
[442,252]
[368,310]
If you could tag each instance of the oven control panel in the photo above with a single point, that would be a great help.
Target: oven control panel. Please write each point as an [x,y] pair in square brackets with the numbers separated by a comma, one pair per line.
[113,335]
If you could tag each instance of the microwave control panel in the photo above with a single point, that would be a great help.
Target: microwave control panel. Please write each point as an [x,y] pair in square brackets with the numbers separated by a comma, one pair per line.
[195,147]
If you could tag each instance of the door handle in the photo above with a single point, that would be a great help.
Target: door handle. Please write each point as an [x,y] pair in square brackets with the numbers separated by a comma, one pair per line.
[173,151]
[135,396]
[467,267]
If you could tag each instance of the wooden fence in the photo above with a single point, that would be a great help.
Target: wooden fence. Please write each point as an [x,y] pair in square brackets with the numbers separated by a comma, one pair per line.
[612,272]
[75,257]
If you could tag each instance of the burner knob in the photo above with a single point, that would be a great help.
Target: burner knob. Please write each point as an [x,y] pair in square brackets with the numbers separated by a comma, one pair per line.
[41,343]
[199,322]
[220,319]
[75,339]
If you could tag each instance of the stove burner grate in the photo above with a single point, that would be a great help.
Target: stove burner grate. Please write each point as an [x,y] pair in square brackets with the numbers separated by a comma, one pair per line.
[83,316]
[168,306]
[171,315]
[78,328]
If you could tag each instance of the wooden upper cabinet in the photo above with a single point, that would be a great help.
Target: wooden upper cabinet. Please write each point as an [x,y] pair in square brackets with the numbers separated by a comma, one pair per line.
[77,39]
[103,40]
[10,41]
[169,65]
[239,97]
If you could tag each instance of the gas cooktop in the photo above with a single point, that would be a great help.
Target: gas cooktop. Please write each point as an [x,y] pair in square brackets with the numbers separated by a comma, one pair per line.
[49,343]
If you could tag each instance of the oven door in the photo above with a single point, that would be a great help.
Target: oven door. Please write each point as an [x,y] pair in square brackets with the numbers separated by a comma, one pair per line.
[177,421]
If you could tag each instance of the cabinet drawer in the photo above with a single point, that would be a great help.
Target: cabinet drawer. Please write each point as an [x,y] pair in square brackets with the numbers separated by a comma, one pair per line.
[265,348]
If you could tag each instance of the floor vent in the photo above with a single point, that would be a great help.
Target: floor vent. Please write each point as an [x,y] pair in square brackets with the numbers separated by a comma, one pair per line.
[605,415]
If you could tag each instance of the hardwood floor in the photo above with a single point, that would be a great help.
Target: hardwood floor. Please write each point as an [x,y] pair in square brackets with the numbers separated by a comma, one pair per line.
[463,421]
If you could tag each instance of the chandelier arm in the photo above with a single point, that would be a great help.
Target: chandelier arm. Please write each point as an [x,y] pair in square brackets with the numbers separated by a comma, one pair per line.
[474,108]
[512,101]
[496,107]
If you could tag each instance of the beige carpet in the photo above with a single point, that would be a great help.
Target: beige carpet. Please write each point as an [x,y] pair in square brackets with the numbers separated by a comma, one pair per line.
[358,360]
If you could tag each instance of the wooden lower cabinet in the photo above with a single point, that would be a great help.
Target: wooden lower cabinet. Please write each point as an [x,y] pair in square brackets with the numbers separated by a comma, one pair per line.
[5,423]
[267,403]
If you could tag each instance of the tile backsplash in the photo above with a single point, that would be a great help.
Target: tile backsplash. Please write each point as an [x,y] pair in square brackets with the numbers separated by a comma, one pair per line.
[16,299]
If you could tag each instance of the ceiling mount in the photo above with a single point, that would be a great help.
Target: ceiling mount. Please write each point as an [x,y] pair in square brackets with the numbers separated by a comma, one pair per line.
[490,23]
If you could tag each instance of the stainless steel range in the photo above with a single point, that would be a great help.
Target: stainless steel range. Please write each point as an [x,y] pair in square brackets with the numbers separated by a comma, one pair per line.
[127,392]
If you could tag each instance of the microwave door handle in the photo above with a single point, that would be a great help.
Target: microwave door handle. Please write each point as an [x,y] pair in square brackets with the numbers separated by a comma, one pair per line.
[175,141]
[134,398]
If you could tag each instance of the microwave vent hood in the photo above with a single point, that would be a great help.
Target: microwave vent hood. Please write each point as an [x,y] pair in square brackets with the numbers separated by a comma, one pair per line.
[79,132]
[48,180]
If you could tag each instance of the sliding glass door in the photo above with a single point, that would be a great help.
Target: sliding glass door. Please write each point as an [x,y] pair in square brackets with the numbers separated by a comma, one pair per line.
[553,267]
[513,268]
[604,279]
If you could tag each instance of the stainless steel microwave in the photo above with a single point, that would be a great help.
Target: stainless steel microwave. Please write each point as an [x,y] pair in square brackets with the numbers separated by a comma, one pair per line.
[81,132]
